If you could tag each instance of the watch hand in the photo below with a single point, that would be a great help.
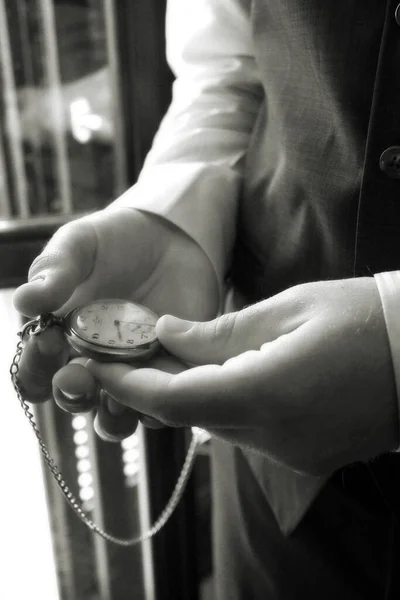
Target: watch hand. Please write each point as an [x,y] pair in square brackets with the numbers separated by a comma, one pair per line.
[117,324]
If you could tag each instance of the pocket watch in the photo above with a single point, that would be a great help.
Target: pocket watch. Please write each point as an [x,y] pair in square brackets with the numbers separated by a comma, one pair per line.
[105,330]
[112,330]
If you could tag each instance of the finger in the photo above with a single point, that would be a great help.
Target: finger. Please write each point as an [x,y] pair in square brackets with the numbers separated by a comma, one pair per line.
[42,357]
[114,422]
[165,363]
[65,262]
[191,398]
[75,390]
[230,334]
[238,394]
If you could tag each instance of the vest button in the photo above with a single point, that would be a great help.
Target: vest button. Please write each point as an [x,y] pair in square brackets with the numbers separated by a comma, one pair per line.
[397,14]
[389,162]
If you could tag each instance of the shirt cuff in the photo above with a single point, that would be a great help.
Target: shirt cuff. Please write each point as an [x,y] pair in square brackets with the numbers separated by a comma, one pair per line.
[200,200]
[389,289]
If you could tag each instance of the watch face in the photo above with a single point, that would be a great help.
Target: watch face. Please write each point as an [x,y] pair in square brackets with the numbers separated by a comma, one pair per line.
[113,324]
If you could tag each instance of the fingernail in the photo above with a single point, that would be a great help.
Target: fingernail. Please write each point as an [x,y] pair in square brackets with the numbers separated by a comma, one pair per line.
[175,325]
[74,397]
[36,278]
[73,403]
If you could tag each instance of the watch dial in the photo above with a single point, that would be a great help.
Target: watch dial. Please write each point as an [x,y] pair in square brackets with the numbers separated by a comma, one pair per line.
[115,324]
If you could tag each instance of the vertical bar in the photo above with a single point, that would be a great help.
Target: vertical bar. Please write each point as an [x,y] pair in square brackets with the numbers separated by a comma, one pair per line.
[24,530]
[57,112]
[39,189]
[145,522]
[120,169]
[119,569]
[176,573]
[72,541]
[100,545]
[13,125]
[5,204]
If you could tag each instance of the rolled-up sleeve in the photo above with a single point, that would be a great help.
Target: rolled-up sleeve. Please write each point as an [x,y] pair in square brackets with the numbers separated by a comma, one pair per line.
[193,172]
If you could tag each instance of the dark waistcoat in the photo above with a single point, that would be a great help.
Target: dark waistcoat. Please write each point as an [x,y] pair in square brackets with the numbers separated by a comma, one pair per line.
[318,201]
[315,203]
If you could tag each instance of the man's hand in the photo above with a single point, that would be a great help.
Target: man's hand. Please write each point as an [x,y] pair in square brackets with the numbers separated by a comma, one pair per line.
[304,377]
[115,253]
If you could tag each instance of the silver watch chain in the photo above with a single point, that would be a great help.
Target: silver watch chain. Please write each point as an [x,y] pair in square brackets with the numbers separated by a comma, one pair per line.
[35,327]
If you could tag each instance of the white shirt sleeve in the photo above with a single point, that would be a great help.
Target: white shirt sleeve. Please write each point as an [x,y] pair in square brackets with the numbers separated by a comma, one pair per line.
[389,288]
[193,172]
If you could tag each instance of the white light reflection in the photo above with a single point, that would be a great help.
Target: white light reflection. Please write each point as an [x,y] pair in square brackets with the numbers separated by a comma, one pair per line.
[83,122]
[131,458]
[83,464]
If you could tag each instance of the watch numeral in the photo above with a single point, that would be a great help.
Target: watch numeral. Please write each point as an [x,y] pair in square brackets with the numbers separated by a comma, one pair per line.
[130,342]
[95,336]
[111,342]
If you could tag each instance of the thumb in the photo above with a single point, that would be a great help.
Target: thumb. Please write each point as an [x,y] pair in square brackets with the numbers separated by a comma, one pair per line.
[231,334]
[218,340]
[42,357]
[65,262]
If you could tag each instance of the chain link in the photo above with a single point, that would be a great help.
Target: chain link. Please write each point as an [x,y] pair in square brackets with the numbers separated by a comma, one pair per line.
[35,327]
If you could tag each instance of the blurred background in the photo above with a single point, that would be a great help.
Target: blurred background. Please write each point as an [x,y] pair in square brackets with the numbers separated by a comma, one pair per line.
[83,86]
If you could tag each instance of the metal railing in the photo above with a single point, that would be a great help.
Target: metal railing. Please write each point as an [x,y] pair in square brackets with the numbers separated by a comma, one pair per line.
[49,121]
[12,125]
